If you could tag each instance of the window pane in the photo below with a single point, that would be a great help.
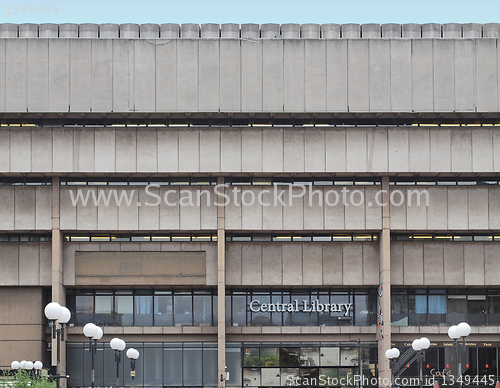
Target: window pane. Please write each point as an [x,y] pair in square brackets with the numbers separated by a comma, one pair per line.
[233,362]
[309,376]
[349,356]
[191,369]
[84,309]
[417,309]
[330,356]
[261,318]
[457,308]
[239,310]
[143,310]
[163,310]
[153,371]
[494,309]
[399,309]
[289,376]
[183,310]
[289,357]
[251,377]
[365,307]
[251,357]
[437,309]
[104,309]
[270,377]
[309,356]
[124,310]
[210,367]
[172,366]
[269,357]
[202,310]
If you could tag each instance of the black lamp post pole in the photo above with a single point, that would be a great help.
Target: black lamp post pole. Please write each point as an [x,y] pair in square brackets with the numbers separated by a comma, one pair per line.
[117,359]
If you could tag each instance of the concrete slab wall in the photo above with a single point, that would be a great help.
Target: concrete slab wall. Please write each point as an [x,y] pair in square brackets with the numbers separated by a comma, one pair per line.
[25,208]
[444,264]
[26,263]
[249,75]
[302,264]
[254,150]
[21,324]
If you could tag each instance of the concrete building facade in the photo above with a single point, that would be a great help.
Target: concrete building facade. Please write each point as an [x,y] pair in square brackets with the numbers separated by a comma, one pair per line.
[279,202]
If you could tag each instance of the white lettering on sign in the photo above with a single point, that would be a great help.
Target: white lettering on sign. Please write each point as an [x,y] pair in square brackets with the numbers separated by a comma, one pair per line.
[294,307]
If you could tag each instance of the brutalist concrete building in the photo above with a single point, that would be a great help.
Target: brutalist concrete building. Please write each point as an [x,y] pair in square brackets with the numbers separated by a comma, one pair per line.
[282,203]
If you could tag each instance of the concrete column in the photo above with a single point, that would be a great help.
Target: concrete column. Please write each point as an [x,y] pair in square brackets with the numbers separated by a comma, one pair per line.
[210,30]
[8,30]
[68,30]
[190,30]
[290,31]
[310,31]
[330,31]
[169,31]
[412,30]
[351,30]
[269,30]
[250,31]
[431,30]
[28,30]
[88,30]
[391,30]
[384,294]
[221,293]
[471,30]
[230,30]
[149,31]
[370,30]
[129,31]
[48,30]
[109,30]
[58,291]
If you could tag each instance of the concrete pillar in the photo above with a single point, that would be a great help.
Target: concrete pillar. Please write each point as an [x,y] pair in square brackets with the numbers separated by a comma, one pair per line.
[190,30]
[250,31]
[270,31]
[58,291]
[129,31]
[149,31]
[221,293]
[169,31]
[411,30]
[384,294]
[290,31]
[310,31]
[8,30]
[471,30]
[370,30]
[230,30]
[88,30]
[28,30]
[68,30]
[391,30]
[330,31]
[109,30]
[351,30]
[491,30]
[48,30]
[210,30]
[431,30]
[452,30]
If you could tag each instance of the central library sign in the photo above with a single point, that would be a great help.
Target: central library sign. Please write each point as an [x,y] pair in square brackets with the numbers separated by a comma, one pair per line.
[304,306]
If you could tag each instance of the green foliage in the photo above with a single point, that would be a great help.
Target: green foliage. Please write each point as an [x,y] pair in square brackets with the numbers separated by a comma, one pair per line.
[22,379]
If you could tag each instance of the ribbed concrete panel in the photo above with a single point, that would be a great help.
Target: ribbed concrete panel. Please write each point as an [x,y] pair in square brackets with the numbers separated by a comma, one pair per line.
[166,76]
[315,75]
[3,80]
[358,76]
[62,142]
[169,31]
[80,75]
[209,72]
[210,145]
[465,98]
[444,75]
[230,75]
[8,30]
[251,75]
[129,31]
[380,74]
[84,150]
[38,75]
[336,83]
[126,150]
[433,264]
[400,75]
[144,77]
[7,197]
[250,31]
[102,85]
[48,30]
[15,75]
[59,75]
[486,75]
[422,75]
[68,30]
[293,78]
[122,75]
[461,150]
[187,75]
[272,75]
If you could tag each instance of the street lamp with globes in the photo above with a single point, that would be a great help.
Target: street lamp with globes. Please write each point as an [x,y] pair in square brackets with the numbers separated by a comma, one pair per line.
[420,346]
[56,313]
[93,333]
[391,355]
[455,332]
[133,354]
[118,345]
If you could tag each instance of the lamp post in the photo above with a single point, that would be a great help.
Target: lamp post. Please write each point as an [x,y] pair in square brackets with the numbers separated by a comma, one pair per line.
[391,355]
[133,354]
[420,346]
[455,332]
[56,313]
[37,365]
[93,333]
[118,345]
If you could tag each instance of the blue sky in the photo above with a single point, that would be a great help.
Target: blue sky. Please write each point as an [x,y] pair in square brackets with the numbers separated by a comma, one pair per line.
[251,11]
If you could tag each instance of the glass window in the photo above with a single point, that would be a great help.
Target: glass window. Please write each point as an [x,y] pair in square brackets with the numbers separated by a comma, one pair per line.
[84,308]
[233,362]
[417,308]
[183,309]
[365,307]
[309,376]
[251,377]
[437,307]
[172,366]
[202,309]
[210,366]
[309,356]
[289,357]
[399,309]
[289,376]
[276,318]
[75,353]
[476,306]
[329,356]
[269,357]
[301,318]
[329,376]
[494,309]
[104,308]
[262,318]
[153,362]
[346,374]
[270,377]
[251,357]
[124,308]
[349,356]
[143,310]
[457,308]
[239,309]
[163,308]
[192,362]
